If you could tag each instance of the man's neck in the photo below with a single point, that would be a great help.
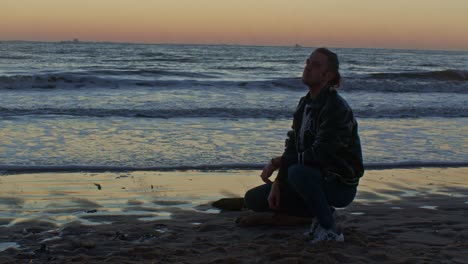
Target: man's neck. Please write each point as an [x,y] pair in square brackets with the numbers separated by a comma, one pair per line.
[314,91]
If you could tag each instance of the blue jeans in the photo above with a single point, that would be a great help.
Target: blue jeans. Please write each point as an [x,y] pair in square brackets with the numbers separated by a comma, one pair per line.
[306,193]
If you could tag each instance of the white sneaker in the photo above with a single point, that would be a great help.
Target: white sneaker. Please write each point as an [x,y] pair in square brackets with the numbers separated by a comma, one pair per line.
[322,234]
[315,224]
[313,227]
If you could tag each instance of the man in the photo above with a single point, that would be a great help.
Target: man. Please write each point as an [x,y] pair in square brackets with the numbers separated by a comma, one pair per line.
[322,162]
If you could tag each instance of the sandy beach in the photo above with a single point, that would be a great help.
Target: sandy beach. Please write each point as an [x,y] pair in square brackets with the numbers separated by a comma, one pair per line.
[400,216]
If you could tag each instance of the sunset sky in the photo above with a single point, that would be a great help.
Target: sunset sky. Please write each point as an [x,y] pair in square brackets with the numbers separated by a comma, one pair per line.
[420,24]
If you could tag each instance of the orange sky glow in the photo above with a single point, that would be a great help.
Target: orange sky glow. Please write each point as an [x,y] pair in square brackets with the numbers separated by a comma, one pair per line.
[418,24]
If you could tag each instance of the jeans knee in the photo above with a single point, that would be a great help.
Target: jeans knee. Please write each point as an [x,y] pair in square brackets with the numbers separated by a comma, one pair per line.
[253,201]
[248,199]
[295,173]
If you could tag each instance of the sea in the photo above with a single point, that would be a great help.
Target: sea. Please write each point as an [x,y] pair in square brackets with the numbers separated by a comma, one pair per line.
[122,106]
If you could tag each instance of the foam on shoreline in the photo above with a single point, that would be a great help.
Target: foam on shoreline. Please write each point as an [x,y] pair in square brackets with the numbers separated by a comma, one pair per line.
[13,169]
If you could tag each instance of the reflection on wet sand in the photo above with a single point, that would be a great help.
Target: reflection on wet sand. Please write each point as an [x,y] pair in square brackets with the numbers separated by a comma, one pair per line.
[12,202]
[418,215]
[61,198]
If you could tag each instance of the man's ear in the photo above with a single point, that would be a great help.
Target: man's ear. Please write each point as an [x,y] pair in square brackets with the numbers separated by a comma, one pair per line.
[329,75]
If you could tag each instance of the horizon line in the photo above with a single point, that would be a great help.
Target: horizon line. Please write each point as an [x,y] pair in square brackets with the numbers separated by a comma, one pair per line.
[219,44]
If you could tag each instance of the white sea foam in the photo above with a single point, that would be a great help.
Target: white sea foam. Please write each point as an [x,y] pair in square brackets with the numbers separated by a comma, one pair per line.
[6,245]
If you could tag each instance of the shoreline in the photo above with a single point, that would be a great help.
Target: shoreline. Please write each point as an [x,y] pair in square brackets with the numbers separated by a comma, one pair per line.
[20,169]
[399,215]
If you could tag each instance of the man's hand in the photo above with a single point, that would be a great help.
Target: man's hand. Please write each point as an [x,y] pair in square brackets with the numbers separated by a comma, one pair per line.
[267,172]
[274,197]
[269,169]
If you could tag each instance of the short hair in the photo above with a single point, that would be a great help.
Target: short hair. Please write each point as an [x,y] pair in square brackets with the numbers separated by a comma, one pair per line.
[333,65]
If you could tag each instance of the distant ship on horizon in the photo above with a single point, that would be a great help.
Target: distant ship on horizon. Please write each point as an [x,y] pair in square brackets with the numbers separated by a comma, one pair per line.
[297,46]
[70,41]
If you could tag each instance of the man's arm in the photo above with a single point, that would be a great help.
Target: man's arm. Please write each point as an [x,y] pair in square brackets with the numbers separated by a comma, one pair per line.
[268,170]
[288,158]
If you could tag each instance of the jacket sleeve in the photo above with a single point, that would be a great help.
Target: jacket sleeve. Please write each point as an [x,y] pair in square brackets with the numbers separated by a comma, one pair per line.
[334,132]
[288,158]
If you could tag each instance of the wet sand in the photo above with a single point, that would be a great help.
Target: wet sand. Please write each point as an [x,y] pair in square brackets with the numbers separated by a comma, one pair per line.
[399,216]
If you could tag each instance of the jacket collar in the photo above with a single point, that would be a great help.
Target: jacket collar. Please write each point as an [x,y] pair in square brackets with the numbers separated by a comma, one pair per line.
[320,99]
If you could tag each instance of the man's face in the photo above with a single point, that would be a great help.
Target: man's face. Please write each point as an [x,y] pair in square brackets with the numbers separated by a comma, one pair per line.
[315,70]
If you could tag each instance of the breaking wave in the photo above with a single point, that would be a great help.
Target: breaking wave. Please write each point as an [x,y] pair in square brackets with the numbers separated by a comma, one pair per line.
[446,75]
[161,79]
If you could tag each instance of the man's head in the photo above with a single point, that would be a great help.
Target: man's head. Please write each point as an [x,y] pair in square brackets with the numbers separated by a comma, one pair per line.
[321,69]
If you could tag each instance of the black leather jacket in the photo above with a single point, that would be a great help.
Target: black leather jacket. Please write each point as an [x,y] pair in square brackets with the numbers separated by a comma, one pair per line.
[330,140]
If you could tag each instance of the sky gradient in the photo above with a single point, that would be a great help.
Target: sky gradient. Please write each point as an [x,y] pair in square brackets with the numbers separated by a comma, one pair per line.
[415,24]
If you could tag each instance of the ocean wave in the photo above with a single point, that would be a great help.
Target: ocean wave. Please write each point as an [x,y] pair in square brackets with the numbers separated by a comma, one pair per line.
[153,113]
[13,57]
[5,169]
[411,112]
[446,75]
[47,81]
[129,78]
[153,59]
[247,68]
[162,79]
[285,61]
[428,65]
[221,112]
[151,54]
[403,86]
[150,72]
[97,79]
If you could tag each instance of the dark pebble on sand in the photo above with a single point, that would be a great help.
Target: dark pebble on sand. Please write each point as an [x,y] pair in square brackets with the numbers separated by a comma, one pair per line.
[26,255]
